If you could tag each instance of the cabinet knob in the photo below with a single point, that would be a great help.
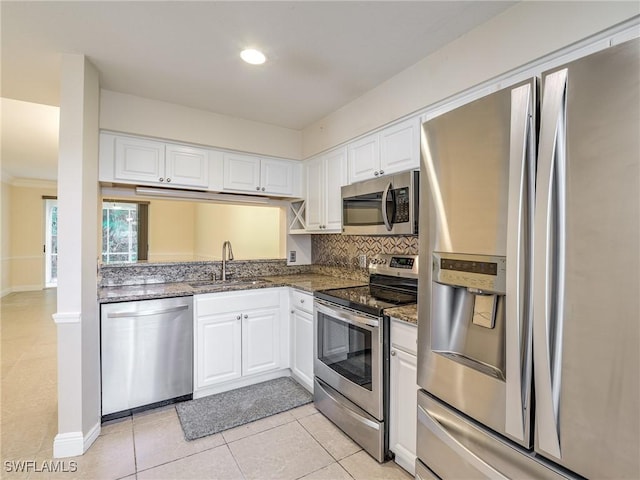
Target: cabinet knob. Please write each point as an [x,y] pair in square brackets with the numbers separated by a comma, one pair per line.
[376,173]
[381,172]
[246,316]
[161,179]
[293,311]
[302,300]
[238,317]
[393,353]
[258,188]
[263,189]
[168,179]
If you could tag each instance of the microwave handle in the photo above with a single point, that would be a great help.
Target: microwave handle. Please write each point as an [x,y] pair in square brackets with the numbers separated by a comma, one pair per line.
[385,217]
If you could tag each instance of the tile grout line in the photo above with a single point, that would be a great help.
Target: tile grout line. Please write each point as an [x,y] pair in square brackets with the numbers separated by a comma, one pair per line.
[328,452]
[235,460]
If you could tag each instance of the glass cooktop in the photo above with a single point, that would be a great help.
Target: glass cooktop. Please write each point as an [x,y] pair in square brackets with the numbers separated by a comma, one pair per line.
[367,298]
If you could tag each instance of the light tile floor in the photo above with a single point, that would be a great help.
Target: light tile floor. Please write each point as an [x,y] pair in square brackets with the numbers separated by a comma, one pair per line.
[300,443]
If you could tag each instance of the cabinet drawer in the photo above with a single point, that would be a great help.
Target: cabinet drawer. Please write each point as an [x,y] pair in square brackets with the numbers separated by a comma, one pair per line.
[302,300]
[404,335]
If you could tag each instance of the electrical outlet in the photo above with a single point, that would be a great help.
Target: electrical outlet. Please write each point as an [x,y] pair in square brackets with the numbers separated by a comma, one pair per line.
[362,260]
[292,256]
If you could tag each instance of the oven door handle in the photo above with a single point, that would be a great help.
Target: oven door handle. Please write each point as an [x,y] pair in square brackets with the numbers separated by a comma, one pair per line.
[348,317]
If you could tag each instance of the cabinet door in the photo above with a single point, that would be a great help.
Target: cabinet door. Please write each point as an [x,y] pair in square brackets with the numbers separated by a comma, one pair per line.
[241,173]
[139,160]
[302,351]
[276,176]
[315,193]
[335,178]
[218,349]
[400,147]
[403,408]
[187,166]
[364,159]
[260,340]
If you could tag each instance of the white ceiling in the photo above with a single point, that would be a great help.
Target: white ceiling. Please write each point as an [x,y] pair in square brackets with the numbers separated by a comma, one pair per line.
[321,55]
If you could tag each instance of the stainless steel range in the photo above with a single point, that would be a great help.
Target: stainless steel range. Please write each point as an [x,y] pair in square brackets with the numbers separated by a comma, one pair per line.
[351,350]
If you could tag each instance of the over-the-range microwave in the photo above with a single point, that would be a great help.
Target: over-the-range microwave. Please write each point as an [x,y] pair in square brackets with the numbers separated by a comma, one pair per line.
[382,206]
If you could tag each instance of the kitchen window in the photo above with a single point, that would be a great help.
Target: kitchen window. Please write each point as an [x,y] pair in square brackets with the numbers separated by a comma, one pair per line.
[124,231]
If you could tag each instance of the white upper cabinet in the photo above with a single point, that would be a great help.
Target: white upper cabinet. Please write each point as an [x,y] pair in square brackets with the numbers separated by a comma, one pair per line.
[325,177]
[392,150]
[142,161]
[264,176]
[400,147]
[137,159]
[277,176]
[241,172]
[364,158]
[186,165]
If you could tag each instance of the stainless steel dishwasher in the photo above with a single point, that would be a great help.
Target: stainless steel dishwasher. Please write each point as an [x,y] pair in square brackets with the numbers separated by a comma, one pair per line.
[146,354]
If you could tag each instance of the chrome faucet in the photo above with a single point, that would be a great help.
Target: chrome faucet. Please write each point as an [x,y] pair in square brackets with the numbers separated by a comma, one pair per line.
[227,254]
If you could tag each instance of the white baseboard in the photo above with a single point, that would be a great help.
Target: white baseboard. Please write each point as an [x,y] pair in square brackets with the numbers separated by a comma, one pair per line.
[405,459]
[91,436]
[72,444]
[241,382]
[23,288]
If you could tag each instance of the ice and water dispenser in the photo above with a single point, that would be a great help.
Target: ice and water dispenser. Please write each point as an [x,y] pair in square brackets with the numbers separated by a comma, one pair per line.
[468,310]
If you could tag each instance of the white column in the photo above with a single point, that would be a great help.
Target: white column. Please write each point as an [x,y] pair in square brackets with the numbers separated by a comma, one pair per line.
[77,317]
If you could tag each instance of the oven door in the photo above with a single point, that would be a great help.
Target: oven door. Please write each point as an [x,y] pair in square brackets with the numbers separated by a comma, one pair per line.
[349,354]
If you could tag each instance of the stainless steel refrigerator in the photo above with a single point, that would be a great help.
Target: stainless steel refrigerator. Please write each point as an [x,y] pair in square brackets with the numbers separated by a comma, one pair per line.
[529,292]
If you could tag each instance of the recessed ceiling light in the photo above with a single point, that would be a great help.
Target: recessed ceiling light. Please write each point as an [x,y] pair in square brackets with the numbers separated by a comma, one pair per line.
[252,56]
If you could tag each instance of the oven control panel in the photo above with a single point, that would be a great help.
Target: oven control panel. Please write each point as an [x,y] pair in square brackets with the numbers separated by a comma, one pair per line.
[396,265]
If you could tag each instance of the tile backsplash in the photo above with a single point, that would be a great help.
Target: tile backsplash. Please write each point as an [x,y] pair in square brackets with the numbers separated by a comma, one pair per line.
[343,250]
[333,255]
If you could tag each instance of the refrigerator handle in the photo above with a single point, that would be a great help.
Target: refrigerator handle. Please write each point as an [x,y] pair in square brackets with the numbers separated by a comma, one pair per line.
[518,289]
[549,259]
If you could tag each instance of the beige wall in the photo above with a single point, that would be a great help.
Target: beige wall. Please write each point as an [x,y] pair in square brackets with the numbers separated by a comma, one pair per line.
[142,116]
[5,238]
[254,231]
[24,236]
[522,34]
[171,230]
[185,231]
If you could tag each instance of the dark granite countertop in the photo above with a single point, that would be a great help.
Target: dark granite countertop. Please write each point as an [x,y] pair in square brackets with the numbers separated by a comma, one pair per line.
[312,282]
[406,313]
[309,282]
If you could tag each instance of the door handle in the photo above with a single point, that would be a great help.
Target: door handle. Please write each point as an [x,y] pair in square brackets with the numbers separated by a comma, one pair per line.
[142,313]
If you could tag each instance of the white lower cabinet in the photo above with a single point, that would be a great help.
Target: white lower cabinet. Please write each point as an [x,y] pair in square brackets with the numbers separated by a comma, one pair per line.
[237,335]
[302,338]
[403,390]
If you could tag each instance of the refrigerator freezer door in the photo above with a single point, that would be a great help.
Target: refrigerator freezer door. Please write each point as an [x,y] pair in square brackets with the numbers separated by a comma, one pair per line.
[453,446]
[587,265]
[477,171]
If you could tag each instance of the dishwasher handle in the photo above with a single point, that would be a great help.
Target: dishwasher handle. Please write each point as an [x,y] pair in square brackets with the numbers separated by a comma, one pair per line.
[142,313]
